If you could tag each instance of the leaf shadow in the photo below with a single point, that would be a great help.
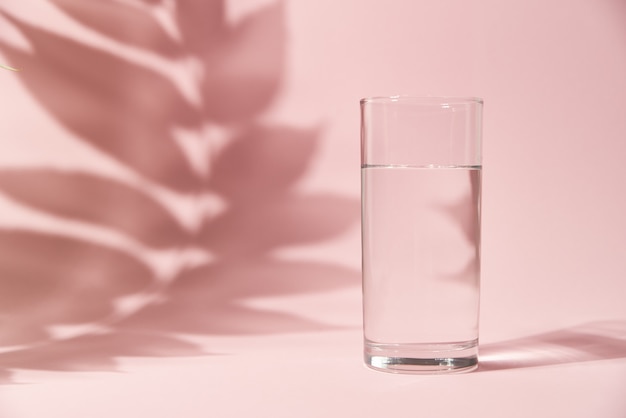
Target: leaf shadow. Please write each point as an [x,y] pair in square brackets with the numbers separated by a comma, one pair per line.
[58,192]
[49,279]
[108,102]
[120,304]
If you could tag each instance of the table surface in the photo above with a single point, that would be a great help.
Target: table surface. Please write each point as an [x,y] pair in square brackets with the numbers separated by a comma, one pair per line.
[575,372]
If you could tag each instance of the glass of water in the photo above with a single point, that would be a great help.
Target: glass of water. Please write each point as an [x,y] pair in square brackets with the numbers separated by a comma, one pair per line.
[421,193]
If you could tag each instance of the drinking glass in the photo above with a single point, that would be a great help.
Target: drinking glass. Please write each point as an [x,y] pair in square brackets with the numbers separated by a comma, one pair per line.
[420,200]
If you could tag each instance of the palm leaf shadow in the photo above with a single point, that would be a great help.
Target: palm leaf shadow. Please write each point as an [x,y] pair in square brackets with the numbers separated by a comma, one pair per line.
[129,113]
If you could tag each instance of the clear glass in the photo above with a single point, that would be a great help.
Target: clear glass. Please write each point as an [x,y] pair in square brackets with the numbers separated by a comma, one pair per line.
[421,192]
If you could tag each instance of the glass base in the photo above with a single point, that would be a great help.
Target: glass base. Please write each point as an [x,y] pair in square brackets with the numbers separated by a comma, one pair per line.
[427,358]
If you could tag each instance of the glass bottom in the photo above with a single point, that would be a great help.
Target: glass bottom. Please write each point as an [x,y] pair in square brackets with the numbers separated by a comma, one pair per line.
[426,358]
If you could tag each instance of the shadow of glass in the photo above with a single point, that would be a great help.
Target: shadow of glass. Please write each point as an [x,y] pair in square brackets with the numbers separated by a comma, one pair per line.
[589,342]
[131,113]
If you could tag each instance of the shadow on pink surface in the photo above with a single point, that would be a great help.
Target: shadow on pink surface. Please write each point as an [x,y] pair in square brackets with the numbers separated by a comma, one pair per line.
[70,302]
[590,342]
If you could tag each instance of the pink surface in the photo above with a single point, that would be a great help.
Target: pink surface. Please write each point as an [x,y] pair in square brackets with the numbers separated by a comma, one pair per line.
[179,192]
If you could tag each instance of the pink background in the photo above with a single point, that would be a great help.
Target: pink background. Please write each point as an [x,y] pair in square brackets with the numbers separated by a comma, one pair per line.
[179,190]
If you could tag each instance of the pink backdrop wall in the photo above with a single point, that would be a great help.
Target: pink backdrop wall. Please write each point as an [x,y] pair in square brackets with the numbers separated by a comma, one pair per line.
[194,170]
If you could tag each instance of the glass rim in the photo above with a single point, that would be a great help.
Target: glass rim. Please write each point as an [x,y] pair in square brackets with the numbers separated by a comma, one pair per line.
[427,100]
